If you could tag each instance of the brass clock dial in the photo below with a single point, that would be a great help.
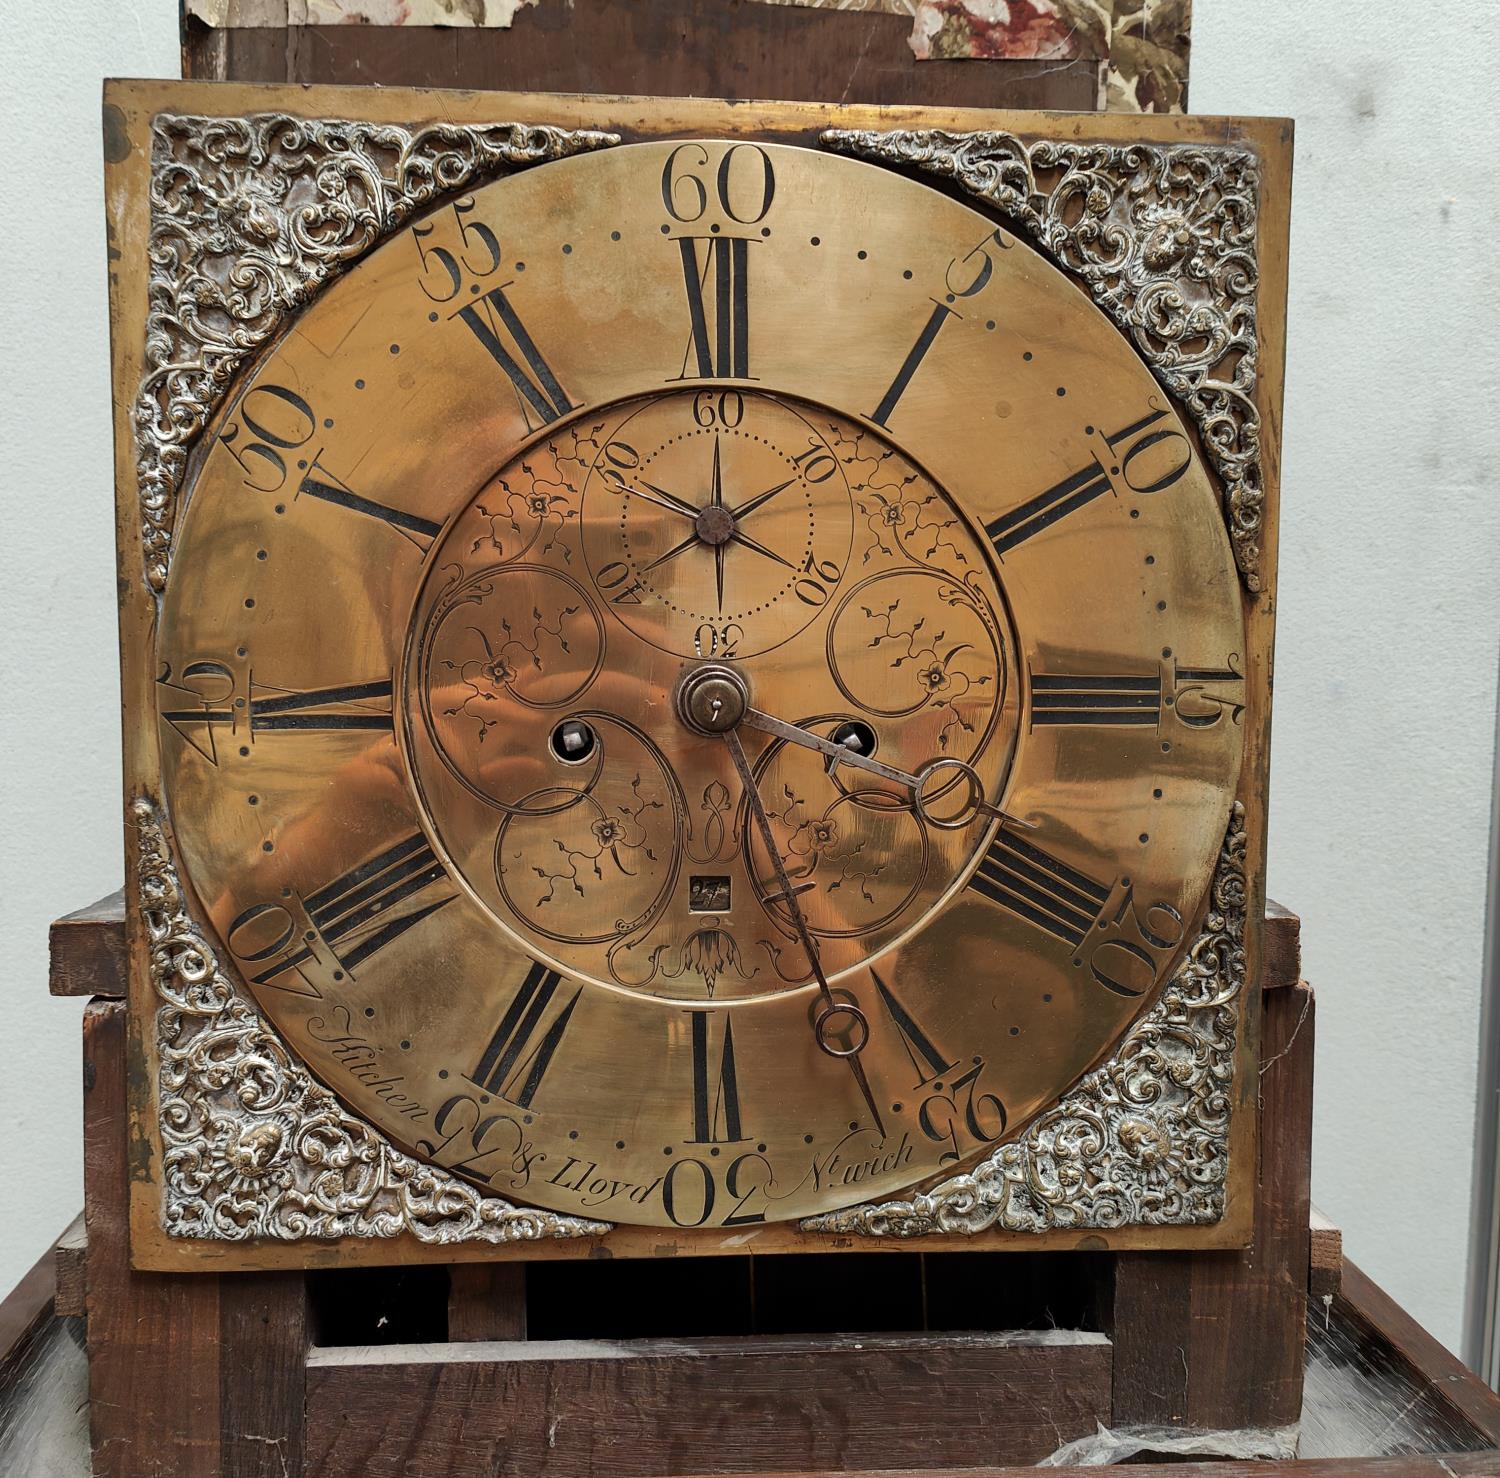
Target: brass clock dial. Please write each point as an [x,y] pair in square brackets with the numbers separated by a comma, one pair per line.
[701,683]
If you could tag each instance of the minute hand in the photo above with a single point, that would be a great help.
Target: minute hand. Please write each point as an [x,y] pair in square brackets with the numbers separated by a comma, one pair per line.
[832,1006]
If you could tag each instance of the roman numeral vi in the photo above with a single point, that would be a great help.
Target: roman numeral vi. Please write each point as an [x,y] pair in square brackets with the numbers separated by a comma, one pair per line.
[716,1086]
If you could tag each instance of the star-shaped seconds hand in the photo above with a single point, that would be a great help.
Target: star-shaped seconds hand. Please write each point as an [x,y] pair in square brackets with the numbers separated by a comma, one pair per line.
[714,524]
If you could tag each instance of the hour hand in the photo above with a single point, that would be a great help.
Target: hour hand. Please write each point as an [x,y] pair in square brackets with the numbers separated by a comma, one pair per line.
[836,754]
[926,784]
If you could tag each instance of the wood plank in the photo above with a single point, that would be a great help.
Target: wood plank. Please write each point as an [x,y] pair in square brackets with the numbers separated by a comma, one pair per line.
[1281,948]
[1433,1366]
[641,1407]
[1424,1465]
[263,1328]
[1325,1256]
[487,1301]
[153,1338]
[669,48]
[88,950]
[194,1374]
[1216,1339]
[69,1253]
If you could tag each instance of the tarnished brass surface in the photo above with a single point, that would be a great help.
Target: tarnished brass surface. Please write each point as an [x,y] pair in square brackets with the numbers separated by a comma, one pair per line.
[448,557]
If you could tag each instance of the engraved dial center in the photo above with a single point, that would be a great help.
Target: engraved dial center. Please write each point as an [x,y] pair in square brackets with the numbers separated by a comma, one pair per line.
[616,601]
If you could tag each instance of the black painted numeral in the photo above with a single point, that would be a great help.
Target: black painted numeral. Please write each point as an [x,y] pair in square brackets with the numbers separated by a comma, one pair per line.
[357,706]
[213,685]
[926,1059]
[716,1086]
[616,581]
[1047,509]
[319,482]
[954,1109]
[1068,699]
[348,907]
[226,695]
[521,1050]
[494,322]
[1205,696]
[940,314]
[1115,467]
[354,917]
[718,297]
[280,423]
[1038,887]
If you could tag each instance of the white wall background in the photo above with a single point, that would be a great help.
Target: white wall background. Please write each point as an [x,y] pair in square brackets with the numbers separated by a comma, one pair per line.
[59,713]
[1390,591]
[1389,618]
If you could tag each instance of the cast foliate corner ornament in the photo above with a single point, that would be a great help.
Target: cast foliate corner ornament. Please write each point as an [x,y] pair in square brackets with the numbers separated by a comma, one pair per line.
[1164,237]
[250,217]
[253,1147]
[1142,1140]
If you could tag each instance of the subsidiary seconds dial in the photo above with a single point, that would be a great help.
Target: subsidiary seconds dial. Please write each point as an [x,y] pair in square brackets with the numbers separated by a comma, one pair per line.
[717,522]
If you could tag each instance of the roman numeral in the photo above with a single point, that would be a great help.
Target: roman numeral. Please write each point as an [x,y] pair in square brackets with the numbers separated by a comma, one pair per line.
[350,905]
[1112,469]
[716,1090]
[213,685]
[718,295]
[1037,887]
[357,706]
[319,482]
[919,1046]
[196,726]
[495,323]
[1067,699]
[352,918]
[915,355]
[270,708]
[1048,508]
[520,1052]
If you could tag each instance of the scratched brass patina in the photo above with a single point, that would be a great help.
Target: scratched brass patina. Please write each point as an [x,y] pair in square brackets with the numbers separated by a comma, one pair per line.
[700,684]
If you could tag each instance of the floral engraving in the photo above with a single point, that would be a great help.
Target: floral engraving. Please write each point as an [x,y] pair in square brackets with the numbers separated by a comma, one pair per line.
[616,832]
[1142,1140]
[1164,237]
[252,1146]
[707,953]
[250,218]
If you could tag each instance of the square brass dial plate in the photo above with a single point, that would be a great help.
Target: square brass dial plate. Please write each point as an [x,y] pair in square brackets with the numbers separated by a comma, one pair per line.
[697,675]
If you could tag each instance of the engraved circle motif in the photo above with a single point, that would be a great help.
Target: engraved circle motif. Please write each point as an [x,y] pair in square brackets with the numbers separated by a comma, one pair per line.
[754,479]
